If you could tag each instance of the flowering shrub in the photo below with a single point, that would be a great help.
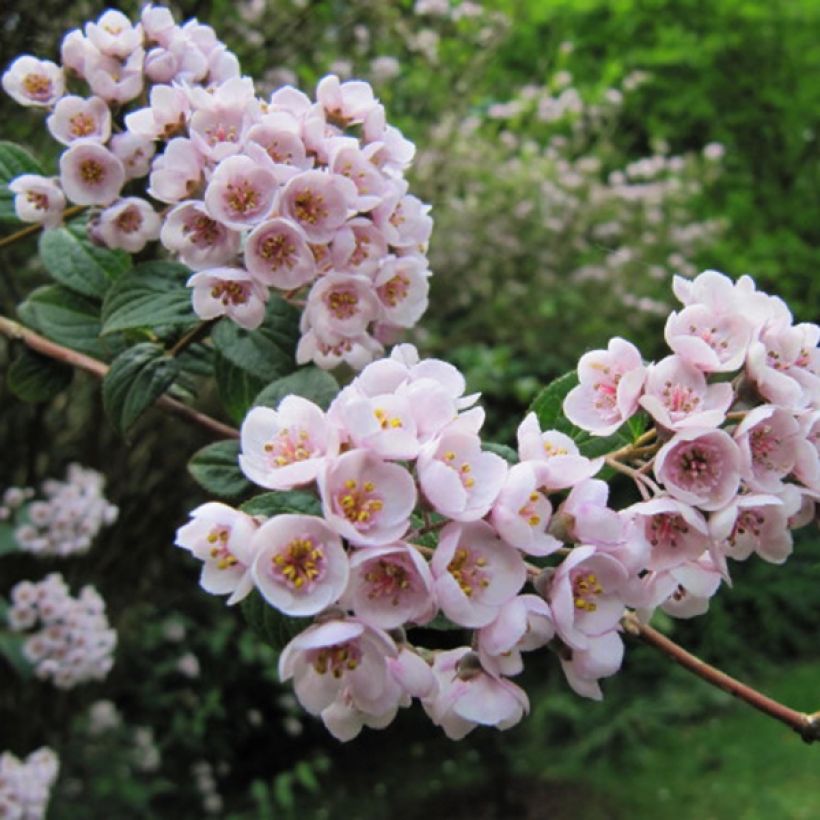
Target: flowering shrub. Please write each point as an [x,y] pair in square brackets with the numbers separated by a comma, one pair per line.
[25,785]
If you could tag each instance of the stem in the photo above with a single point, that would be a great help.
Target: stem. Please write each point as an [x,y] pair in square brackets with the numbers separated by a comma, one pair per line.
[38,343]
[806,725]
[192,336]
[37,227]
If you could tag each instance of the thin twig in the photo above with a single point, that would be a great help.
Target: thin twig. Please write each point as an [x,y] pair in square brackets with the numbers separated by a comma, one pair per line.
[806,725]
[38,343]
[36,228]
[192,336]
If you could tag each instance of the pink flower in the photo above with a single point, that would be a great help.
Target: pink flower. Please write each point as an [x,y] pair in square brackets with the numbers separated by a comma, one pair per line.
[521,514]
[756,523]
[74,50]
[460,480]
[286,447]
[277,254]
[390,586]
[278,136]
[358,247]
[677,396]
[522,624]
[219,130]
[76,118]
[222,538]
[166,117]
[299,564]
[610,383]
[351,162]
[707,339]
[240,193]
[586,517]
[341,304]
[367,500]
[807,463]
[200,241]
[673,532]
[229,292]
[330,350]
[769,440]
[700,467]
[113,34]
[384,424]
[467,696]
[318,202]
[38,199]
[402,285]
[91,174]
[157,23]
[34,83]
[684,591]
[585,595]
[135,153]
[555,457]
[176,173]
[129,224]
[345,103]
[403,218]
[475,573]
[601,658]
[116,81]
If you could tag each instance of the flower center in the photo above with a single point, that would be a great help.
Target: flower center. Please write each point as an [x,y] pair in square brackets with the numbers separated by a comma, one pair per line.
[39,200]
[242,198]
[81,125]
[697,466]
[748,522]
[387,579]
[342,303]
[203,231]
[218,539]
[92,171]
[129,221]
[221,133]
[38,86]
[278,250]
[666,528]
[528,511]
[679,399]
[463,471]
[384,419]
[764,445]
[586,587]
[230,293]
[359,503]
[309,207]
[300,563]
[467,569]
[337,659]
[395,290]
[288,447]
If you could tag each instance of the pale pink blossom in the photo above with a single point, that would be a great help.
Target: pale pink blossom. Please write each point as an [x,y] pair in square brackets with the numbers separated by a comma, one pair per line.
[521,514]
[384,424]
[166,116]
[807,463]
[277,253]
[349,161]
[74,50]
[358,247]
[467,696]
[287,447]
[475,573]
[708,340]
[299,564]
[229,292]
[157,23]
[114,80]
[402,285]
[345,103]
[683,591]
[278,135]
[222,538]
[240,193]
[130,224]
[90,174]
[586,517]
[390,586]
[200,241]
[458,478]
[318,202]
[34,83]
[601,658]
[769,441]
[700,467]
[113,34]
[76,118]
[341,304]
[367,500]
[610,383]
[403,218]
[38,199]
[219,131]
[676,396]
[135,153]
[330,350]
[176,173]
[585,595]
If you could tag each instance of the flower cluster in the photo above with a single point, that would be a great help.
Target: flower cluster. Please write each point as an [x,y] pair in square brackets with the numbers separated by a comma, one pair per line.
[25,786]
[285,192]
[67,520]
[418,520]
[73,642]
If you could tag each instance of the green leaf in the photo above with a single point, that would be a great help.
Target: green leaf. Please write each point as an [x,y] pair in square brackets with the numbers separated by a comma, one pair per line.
[68,319]
[441,623]
[11,648]
[237,387]
[275,628]
[14,162]
[35,378]
[216,469]
[74,261]
[8,544]
[137,378]
[149,295]
[309,382]
[277,503]
[507,453]
[268,352]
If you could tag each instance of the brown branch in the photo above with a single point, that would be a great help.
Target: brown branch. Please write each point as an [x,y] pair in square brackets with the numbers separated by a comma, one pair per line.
[807,726]
[38,343]
[192,336]
[36,228]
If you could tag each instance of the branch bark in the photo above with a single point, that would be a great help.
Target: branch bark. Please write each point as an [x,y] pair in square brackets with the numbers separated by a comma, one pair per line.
[39,344]
[806,725]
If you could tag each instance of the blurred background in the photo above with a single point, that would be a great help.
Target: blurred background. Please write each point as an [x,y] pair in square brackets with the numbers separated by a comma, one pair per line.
[577,154]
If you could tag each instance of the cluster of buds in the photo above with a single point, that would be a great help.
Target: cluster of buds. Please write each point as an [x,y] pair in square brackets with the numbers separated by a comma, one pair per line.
[67,520]
[73,642]
[307,197]
[25,786]
[397,459]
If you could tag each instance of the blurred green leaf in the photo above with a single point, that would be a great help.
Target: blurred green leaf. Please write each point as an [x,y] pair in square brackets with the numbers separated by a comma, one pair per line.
[237,387]
[507,453]
[277,503]
[7,544]
[216,469]
[309,382]
[35,378]
[275,628]
[11,648]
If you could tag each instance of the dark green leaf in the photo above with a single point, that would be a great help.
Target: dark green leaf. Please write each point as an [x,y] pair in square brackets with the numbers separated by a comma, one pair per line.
[74,261]
[14,162]
[137,378]
[32,377]
[67,318]
[149,295]
[309,382]
[216,469]
[442,623]
[8,543]
[278,503]
[237,387]
[507,453]
[637,425]
[11,648]
[267,353]
[270,624]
